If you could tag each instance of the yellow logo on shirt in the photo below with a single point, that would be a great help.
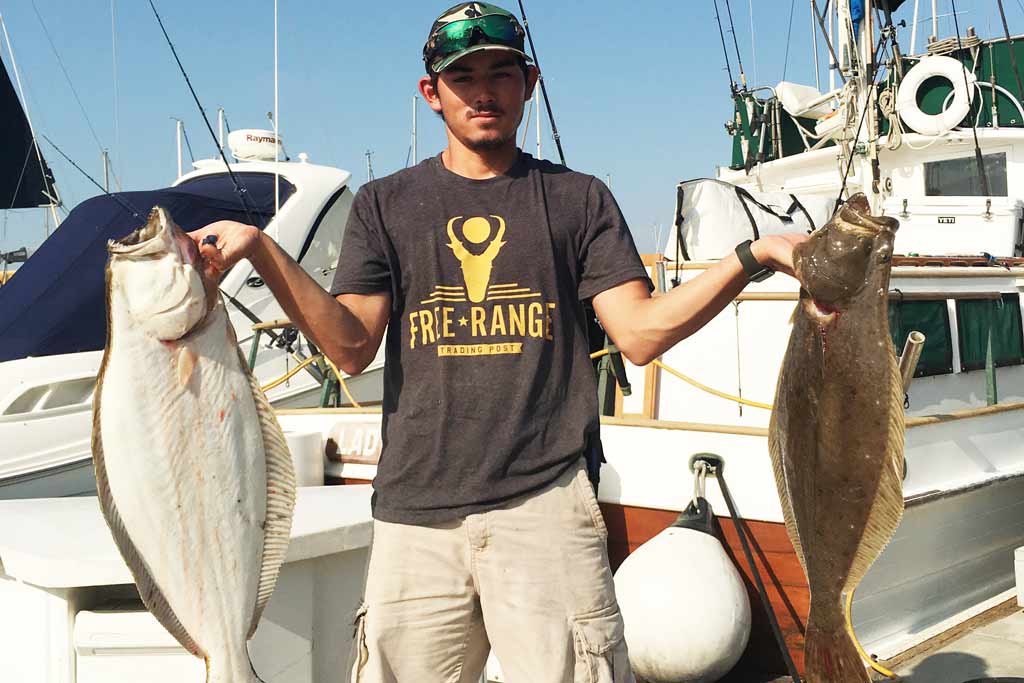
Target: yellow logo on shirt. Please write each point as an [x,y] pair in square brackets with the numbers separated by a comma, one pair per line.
[476,268]
[479,324]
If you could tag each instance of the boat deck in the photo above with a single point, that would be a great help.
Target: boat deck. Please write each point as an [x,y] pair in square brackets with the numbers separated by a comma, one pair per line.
[987,649]
[992,651]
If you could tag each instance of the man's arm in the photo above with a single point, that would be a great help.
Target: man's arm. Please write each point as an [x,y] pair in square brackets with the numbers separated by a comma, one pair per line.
[348,328]
[644,327]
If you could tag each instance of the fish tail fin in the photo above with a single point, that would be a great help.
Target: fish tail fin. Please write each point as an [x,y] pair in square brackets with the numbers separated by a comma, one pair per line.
[830,656]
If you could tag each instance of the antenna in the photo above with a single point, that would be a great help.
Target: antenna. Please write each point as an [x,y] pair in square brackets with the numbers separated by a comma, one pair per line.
[369,165]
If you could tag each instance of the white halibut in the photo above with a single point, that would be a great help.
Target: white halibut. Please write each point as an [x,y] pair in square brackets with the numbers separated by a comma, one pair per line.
[193,472]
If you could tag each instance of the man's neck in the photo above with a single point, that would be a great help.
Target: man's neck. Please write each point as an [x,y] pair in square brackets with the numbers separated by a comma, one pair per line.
[479,165]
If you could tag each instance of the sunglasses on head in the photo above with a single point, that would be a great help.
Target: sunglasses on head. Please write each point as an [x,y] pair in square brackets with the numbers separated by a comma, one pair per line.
[493,29]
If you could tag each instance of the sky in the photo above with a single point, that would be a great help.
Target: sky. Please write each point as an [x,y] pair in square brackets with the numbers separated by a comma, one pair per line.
[638,89]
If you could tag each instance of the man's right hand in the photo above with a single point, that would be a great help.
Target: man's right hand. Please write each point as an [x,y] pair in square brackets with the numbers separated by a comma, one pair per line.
[234,242]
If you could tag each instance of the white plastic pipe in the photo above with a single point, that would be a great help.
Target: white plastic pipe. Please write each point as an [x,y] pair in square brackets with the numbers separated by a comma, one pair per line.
[177,135]
[913,28]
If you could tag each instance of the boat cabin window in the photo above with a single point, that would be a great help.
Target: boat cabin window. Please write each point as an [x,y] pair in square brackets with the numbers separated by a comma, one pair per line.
[931,318]
[325,237]
[960,178]
[27,401]
[259,190]
[977,319]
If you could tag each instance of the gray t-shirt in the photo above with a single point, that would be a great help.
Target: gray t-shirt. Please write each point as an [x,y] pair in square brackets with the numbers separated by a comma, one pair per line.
[489,393]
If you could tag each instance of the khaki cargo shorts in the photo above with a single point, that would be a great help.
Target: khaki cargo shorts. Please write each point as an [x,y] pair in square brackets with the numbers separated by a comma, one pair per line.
[530,580]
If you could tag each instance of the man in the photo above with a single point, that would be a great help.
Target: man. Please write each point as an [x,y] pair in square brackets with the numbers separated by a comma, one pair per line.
[487,533]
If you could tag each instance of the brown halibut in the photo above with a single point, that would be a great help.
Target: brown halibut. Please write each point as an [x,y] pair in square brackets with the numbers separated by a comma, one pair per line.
[836,434]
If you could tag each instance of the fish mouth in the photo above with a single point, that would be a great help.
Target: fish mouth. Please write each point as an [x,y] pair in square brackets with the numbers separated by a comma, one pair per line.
[136,241]
[821,313]
[855,217]
[159,235]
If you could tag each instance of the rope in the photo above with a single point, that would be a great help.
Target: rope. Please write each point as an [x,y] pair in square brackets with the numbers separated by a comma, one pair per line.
[716,392]
[341,381]
[756,573]
[304,364]
[695,383]
[288,375]
[887,104]
[856,643]
[949,45]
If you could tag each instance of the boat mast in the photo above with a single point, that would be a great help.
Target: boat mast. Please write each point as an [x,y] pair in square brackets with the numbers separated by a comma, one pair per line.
[913,28]
[814,49]
[51,188]
[277,135]
[869,131]
[178,125]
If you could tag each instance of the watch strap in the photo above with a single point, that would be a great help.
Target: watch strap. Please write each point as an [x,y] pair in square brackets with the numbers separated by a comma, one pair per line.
[756,272]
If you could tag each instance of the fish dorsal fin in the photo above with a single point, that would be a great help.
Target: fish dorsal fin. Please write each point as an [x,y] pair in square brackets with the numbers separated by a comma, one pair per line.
[776,450]
[887,509]
[149,591]
[280,496]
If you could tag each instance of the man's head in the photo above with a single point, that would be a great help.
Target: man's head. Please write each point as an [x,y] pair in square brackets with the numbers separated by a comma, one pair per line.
[478,75]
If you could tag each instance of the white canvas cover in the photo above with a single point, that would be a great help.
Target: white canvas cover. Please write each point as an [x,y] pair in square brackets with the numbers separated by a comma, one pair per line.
[714,216]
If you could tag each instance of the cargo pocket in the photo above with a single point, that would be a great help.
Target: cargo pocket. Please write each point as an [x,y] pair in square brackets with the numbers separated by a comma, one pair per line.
[360,653]
[589,500]
[601,655]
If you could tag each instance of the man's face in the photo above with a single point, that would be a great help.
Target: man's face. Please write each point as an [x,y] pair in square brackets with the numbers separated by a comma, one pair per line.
[481,98]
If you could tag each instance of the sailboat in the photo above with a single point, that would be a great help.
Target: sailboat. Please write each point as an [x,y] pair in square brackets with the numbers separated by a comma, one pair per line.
[26,181]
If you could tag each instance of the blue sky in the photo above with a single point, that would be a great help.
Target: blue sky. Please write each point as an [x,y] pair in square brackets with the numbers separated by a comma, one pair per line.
[638,89]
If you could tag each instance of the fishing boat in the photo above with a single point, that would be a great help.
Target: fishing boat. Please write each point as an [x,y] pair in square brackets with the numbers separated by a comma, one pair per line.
[957,281]
[915,145]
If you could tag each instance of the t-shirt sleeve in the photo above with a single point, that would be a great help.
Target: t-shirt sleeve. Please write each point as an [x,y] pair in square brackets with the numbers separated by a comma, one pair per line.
[608,256]
[363,266]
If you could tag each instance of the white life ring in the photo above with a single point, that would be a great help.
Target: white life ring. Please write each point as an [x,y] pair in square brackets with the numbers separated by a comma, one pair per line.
[963,95]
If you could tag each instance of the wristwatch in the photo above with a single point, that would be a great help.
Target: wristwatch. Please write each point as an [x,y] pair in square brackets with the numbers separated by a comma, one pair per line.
[754,270]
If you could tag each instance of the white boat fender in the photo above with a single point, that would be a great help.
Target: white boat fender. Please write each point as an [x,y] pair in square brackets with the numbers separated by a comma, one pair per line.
[684,604]
[952,70]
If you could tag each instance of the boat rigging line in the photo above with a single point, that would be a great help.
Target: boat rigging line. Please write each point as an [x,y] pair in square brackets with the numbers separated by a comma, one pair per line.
[1013,55]
[67,76]
[117,197]
[789,38]
[239,188]
[828,43]
[736,46]
[543,87]
[974,124]
[869,102]
[721,34]
[703,464]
